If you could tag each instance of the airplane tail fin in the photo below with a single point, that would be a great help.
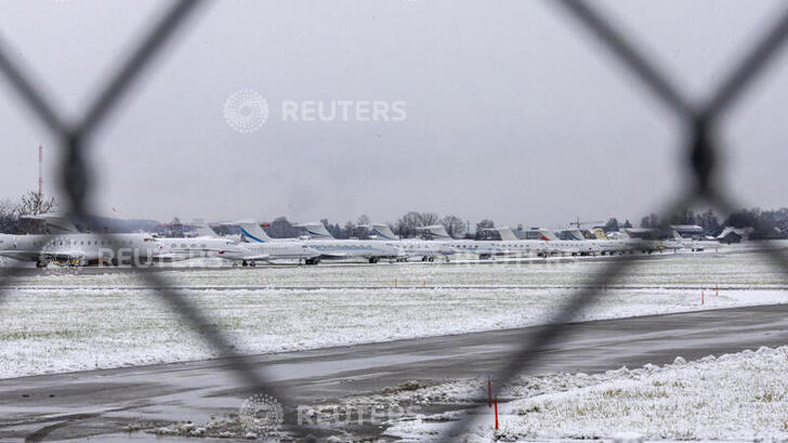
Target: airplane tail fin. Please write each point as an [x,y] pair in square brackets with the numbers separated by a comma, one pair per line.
[506,233]
[383,231]
[437,232]
[316,230]
[202,229]
[599,233]
[252,232]
[547,235]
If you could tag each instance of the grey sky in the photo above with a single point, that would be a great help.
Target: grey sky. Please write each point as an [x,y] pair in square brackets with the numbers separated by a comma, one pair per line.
[513,112]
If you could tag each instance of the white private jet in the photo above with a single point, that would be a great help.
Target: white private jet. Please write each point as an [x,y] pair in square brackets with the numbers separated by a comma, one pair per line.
[257,246]
[485,249]
[83,249]
[327,246]
[70,247]
[412,248]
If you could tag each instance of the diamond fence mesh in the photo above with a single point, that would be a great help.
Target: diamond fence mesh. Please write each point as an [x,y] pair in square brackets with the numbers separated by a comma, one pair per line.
[701,124]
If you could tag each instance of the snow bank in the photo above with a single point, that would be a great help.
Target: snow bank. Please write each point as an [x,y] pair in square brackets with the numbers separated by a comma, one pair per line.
[736,397]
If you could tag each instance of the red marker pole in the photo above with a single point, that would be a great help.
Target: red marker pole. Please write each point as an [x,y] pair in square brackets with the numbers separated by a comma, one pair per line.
[717,288]
[489,392]
[496,413]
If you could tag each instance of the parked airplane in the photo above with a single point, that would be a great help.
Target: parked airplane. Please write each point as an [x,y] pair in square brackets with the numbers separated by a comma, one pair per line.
[329,247]
[83,249]
[184,248]
[412,248]
[601,244]
[546,245]
[485,249]
[70,247]
[256,246]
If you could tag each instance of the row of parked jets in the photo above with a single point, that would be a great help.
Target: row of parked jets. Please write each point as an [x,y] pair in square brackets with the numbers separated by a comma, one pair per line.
[74,248]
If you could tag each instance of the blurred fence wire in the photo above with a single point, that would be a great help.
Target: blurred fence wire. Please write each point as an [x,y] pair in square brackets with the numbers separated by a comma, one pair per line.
[701,123]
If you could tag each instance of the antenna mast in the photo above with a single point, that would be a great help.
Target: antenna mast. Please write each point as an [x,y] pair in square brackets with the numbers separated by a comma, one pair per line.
[40,176]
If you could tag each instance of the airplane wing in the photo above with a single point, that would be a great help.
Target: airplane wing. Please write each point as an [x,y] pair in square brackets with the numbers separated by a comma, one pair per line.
[171,256]
[36,255]
[21,255]
[242,255]
[59,223]
[335,255]
[258,257]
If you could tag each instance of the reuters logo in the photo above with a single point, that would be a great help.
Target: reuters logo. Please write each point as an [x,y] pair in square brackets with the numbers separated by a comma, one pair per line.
[246,111]
[261,413]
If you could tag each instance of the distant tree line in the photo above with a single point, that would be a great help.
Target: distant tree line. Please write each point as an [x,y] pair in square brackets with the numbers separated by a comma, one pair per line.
[770,224]
[408,226]
[766,224]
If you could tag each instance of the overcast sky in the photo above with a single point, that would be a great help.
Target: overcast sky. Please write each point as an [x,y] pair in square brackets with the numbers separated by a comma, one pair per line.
[511,111]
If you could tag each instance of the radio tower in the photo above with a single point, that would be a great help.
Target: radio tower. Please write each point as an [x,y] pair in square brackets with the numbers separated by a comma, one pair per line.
[40,176]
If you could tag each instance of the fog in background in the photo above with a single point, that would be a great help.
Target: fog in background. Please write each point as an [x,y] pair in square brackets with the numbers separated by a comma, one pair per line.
[514,112]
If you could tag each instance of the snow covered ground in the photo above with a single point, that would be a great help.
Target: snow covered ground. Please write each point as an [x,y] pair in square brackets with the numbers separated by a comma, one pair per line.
[734,397]
[69,320]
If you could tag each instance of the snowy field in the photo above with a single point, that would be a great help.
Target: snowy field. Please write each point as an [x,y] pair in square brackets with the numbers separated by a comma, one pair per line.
[734,397]
[61,320]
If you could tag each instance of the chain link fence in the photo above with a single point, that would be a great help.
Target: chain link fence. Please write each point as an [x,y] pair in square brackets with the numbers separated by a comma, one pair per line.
[701,124]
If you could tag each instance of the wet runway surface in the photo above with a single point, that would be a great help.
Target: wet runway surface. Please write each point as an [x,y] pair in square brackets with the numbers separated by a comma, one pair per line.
[101,403]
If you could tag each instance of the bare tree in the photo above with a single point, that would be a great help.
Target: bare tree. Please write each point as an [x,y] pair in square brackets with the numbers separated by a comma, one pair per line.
[281,228]
[8,216]
[429,218]
[408,224]
[612,225]
[454,225]
[484,225]
[33,203]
